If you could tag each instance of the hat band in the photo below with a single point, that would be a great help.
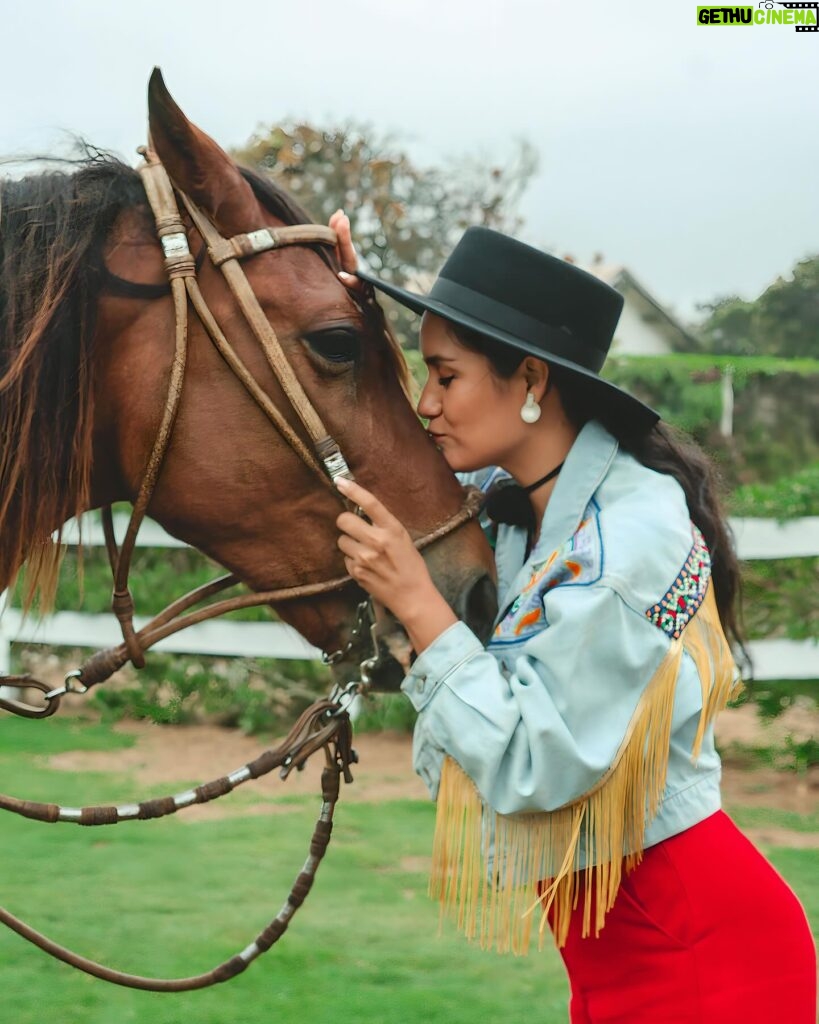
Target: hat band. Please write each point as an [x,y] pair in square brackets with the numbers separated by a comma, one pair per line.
[505,318]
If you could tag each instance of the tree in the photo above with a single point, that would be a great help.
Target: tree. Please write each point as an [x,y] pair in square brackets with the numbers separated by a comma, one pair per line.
[783,321]
[405,219]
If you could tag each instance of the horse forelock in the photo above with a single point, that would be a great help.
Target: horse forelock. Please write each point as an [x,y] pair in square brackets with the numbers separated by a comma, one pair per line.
[52,229]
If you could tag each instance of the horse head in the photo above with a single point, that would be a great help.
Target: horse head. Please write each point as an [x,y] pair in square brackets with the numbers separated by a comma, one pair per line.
[228,485]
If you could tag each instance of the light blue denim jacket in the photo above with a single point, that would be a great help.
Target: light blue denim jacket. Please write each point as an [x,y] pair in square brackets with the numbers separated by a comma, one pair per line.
[537,718]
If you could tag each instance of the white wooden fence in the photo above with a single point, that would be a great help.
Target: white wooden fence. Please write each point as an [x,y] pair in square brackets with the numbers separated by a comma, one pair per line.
[756,539]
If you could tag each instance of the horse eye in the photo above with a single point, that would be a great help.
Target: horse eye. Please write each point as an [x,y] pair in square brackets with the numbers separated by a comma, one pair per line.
[335,344]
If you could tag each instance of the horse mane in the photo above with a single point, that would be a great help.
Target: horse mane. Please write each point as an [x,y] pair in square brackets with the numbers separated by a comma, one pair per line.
[53,227]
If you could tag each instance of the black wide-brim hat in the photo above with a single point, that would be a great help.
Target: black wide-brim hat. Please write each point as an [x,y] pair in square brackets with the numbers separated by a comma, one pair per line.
[542,305]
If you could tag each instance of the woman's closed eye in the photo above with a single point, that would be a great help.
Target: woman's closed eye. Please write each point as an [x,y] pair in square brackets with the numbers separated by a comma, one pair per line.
[446,381]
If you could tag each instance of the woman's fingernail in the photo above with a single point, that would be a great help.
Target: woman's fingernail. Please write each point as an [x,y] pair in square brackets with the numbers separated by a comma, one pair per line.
[345,276]
[342,483]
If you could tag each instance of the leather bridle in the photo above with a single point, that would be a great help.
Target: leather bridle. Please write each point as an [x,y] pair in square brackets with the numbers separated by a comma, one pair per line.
[323,456]
[323,726]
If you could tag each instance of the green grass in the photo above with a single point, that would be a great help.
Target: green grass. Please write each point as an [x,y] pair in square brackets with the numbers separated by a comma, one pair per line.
[173,897]
[759,817]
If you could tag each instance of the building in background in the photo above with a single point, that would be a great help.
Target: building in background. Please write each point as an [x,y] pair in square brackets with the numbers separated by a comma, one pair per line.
[646,327]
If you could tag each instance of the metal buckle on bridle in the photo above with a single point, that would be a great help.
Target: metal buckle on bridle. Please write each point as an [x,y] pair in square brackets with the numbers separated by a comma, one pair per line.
[70,685]
[51,698]
[343,697]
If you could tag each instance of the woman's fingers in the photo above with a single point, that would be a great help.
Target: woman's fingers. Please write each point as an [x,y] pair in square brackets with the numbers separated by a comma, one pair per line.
[360,531]
[378,514]
[345,250]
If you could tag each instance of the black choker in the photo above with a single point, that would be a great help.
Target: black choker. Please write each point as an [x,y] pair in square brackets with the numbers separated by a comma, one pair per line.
[507,502]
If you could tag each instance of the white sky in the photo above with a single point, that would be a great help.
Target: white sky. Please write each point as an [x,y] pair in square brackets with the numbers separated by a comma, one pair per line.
[689,154]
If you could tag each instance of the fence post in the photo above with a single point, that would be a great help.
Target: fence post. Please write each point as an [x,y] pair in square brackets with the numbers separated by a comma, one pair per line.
[726,423]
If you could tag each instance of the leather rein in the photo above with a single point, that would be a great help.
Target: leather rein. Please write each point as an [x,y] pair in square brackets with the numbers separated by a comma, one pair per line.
[326,724]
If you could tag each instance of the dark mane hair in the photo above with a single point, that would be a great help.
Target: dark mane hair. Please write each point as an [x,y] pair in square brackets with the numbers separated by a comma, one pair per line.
[663,449]
[53,227]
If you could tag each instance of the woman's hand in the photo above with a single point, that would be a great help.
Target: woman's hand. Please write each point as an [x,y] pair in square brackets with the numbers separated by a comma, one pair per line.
[381,557]
[345,250]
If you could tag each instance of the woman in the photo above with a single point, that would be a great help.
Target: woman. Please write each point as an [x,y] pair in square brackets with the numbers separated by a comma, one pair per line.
[573,759]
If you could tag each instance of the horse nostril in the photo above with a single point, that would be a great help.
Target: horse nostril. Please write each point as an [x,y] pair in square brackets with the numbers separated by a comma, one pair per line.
[479,606]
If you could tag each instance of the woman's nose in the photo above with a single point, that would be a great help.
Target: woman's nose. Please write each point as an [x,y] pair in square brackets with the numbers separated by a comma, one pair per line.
[429,406]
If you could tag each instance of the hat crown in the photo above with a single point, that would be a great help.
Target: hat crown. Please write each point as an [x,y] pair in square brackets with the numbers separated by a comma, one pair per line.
[543,288]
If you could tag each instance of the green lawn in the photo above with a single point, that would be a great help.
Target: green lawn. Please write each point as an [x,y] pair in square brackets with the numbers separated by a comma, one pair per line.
[174,898]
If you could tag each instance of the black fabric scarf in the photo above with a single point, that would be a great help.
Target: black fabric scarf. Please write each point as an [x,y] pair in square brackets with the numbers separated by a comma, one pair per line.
[508,502]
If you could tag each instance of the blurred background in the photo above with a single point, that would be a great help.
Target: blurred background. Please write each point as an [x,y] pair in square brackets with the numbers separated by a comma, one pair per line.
[675,161]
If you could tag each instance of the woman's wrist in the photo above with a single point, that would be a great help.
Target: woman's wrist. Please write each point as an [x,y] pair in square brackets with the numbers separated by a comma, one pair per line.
[427,618]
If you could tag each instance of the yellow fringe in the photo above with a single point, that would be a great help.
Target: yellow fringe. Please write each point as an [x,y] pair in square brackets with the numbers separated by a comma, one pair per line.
[486,866]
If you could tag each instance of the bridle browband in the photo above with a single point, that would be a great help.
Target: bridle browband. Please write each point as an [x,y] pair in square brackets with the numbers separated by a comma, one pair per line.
[326,724]
[323,454]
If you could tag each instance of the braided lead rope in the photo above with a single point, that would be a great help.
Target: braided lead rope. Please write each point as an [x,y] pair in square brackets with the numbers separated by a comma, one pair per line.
[317,726]
[338,763]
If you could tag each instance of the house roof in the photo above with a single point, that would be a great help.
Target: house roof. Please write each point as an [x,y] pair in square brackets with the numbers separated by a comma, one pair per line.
[621,278]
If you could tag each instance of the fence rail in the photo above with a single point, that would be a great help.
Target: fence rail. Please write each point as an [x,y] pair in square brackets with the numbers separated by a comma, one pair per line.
[756,539]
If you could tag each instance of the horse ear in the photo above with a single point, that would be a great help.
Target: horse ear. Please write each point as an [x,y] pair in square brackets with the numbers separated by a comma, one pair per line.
[195,163]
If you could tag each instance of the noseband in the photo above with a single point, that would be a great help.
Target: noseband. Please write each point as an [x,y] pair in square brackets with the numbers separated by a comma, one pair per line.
[323,455]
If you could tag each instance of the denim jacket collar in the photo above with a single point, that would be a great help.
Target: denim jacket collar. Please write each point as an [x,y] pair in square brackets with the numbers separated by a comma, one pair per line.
[585,468]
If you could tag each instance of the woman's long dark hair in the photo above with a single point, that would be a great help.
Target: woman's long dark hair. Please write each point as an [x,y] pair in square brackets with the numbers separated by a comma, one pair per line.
[663,449]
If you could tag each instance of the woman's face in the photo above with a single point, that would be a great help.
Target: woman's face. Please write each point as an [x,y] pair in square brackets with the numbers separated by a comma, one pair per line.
[474,416]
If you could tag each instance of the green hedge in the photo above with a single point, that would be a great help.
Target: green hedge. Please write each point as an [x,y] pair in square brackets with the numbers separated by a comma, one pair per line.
[776,408]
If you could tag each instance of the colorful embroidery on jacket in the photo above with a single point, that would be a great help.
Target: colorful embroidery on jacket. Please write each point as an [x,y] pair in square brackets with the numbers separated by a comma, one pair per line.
[578,562]
[675,610]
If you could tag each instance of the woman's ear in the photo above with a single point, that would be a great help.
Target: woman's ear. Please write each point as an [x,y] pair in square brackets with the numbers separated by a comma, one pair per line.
[536,374]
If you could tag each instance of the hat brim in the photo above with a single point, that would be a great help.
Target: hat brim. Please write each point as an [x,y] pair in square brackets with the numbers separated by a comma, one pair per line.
[640,417]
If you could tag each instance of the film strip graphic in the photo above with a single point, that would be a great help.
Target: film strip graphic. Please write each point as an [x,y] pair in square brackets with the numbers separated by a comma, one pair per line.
[802,7]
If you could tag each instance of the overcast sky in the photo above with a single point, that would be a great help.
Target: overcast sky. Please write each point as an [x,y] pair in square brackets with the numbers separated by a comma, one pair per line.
[687,153]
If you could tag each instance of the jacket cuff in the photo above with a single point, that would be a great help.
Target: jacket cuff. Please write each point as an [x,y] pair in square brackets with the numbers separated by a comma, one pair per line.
[455,646]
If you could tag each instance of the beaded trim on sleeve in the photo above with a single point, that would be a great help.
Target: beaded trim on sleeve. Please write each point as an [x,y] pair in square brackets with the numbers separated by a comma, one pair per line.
[674,611]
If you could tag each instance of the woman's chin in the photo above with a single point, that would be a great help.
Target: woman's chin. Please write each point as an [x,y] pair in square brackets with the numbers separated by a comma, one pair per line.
[462,465]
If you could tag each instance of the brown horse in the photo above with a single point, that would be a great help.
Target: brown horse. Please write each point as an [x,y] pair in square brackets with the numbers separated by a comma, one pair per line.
[86,349]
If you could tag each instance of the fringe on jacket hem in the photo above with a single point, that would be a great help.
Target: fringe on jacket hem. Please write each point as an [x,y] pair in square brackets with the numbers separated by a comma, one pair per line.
[497,905]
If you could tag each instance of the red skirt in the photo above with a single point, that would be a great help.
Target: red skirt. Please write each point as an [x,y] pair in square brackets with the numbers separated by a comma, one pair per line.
[704,931]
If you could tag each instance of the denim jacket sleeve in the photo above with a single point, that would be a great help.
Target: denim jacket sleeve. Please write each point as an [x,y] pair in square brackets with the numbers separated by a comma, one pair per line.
[536,730]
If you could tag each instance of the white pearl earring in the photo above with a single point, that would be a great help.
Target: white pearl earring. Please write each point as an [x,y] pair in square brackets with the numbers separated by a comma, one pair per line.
[530,411]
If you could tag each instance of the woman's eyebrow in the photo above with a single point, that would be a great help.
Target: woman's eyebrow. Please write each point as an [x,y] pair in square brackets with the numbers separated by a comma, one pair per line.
[435,360]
